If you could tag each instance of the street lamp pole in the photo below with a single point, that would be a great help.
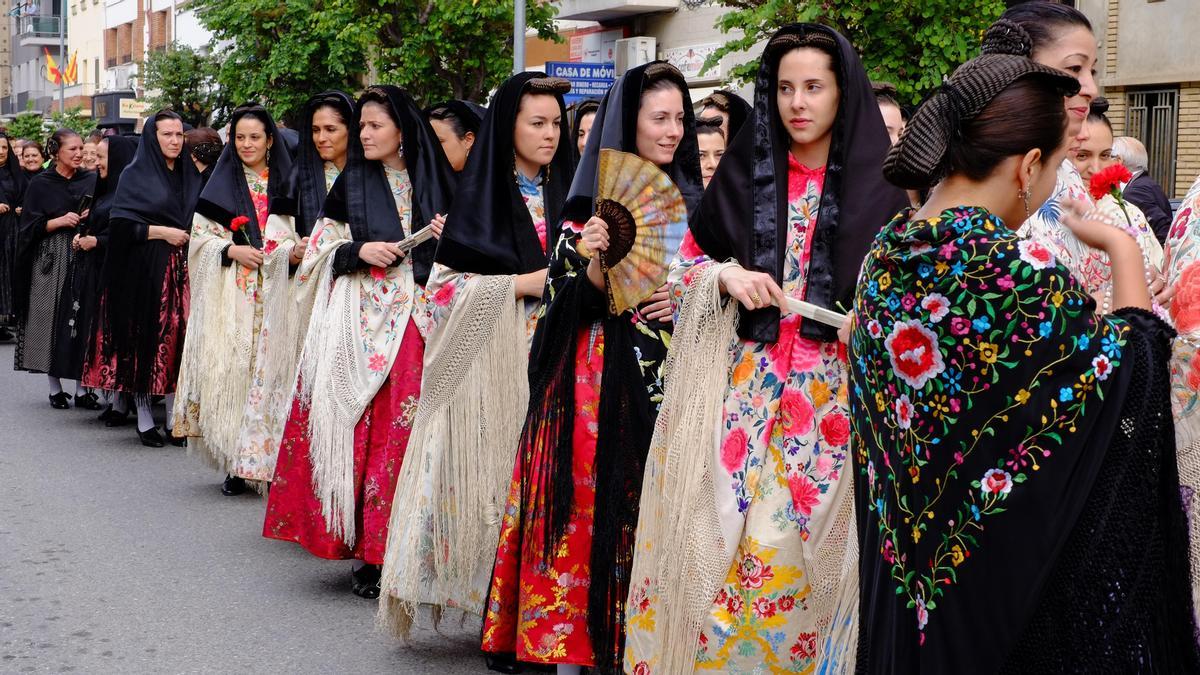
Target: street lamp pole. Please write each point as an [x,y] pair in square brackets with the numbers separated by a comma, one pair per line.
[518,36]
[62,59]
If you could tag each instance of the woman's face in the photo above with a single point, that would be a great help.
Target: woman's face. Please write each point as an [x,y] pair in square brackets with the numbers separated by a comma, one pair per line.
[660,124]
[89,156]
[70,154]
[102,158]
[807,96]
[170,137]
[456,148]
[1095,150]
[379,134]
[252,141]
[1075,52]
[712,148]
[330,135]
[31,158]
[893,120]
[3,150]
[585,130]
[537,130]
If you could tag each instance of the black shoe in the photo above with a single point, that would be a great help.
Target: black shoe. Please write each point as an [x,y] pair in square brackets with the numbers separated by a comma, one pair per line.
[59,401]
[365,582]
[6,335]
[88,401]
[233,486]
[177,441]
[150,438]
[116,419]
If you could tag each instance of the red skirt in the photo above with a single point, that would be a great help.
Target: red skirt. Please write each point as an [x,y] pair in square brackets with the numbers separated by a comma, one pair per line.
[380,439]
[536,611]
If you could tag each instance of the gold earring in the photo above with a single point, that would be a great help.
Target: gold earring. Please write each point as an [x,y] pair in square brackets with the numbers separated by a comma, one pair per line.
[1024,193]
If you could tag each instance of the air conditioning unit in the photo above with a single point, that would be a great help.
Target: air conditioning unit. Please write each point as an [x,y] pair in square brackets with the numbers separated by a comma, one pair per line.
[633,52]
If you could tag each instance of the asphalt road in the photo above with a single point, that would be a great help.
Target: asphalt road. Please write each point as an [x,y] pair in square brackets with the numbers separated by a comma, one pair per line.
[115,558]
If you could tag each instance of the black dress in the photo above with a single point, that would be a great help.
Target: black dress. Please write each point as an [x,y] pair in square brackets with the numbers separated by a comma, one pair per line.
[12,191]
[44,261]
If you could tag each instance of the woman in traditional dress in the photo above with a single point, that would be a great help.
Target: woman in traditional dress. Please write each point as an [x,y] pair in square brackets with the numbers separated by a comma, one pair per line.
[360,370]
[456,124]
[712,146]
[321,155]
[56,203]
[144,305]
[562,565]
[12,191]
[32,159]
[77,312]
[745,552]
[90,158]
[236,269]
[1183,275]
[486,287]
[113,154]
[1016,481]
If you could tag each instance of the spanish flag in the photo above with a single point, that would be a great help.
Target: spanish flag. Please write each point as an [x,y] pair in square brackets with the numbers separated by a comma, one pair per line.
[72,73]
[52,72]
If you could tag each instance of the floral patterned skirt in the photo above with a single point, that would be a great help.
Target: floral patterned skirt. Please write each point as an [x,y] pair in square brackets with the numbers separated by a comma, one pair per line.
[380,440]
[538,611]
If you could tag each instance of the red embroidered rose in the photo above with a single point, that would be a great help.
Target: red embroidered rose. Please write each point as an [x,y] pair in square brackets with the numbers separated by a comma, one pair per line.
[836,429]
[1185,307]
[787,603]
[444,295]
[797,412]
[805,494]
[733,451]
[641,668]
[735,604]
[914,353]
[1181,222]
[805,648]
[377,362]
[1108,181]
[270,246]
[996,482]
[764,608]
[238,223]
[753,573]
[378,273]
[904,412]
[1039,257]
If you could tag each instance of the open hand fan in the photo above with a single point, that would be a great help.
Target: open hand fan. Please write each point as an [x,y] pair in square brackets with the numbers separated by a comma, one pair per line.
[646,218]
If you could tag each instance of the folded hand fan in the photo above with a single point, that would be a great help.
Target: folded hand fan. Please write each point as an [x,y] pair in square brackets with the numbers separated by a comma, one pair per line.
[646,218]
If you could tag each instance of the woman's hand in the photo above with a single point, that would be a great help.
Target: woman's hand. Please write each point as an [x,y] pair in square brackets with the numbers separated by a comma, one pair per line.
[754,290]
[246,256]
[658,306]
[380,253]
[297,254]
[84,243]
[1161,292]
[67,220]
[531,285]
[1092,228]
[846,329]
[173,236]
[4,208]
[595,235]
[437,224]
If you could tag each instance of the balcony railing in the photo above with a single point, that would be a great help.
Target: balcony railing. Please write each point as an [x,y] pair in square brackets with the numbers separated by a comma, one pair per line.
[38,26]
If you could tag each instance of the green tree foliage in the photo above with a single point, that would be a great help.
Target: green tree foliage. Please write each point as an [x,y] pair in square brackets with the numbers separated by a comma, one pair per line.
[73,119]
[439,49]
[914,44]
[28,125]
[185,80]
[280,53]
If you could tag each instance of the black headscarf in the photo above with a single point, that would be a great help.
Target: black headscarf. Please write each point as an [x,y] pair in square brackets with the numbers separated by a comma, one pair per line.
[362,198]
[121,150]
[226,195]
[305,189]
[13,179]
[587,106]
[492,233]
[152,194]
[615,127]
[744,212]
[738,109]
[289,137]
[469,113]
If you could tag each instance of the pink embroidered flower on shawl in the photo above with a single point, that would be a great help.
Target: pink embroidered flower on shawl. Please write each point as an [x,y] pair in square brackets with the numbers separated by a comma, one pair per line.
[733,451]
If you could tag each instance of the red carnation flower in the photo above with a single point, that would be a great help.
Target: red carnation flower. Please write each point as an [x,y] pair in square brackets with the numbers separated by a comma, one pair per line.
[237,223]
[1108,181]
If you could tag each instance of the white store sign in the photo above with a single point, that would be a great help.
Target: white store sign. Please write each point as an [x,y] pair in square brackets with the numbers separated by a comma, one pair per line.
[690,60]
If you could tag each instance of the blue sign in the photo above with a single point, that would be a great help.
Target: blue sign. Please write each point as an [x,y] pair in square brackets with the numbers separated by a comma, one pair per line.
[588,80]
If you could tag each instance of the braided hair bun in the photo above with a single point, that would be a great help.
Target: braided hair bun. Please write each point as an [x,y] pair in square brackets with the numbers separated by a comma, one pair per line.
[1007,37]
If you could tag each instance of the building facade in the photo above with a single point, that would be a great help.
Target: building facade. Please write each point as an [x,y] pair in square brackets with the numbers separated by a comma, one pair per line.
[35,30]
[1150,72]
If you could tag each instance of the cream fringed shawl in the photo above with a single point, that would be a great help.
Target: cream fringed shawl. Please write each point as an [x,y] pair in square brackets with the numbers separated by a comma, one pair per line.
[454,483]
[688,530]
[355,332]
[218,348]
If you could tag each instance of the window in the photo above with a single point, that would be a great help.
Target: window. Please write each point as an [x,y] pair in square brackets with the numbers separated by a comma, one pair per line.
[1153,118]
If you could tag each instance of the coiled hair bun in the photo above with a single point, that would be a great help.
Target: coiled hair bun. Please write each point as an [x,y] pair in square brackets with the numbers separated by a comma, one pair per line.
[1007,37]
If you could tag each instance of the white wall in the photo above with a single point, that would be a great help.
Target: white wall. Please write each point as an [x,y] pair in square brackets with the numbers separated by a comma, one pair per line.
[117,12]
